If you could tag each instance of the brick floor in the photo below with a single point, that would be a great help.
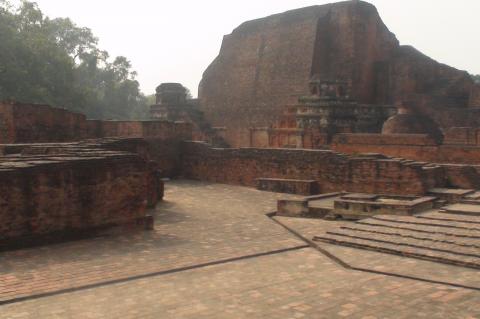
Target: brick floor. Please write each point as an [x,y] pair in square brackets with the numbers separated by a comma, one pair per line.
[297,284]
[204,223]
[381,262]
[199,223]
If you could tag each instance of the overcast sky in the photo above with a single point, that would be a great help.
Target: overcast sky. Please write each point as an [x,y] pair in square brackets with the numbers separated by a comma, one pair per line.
[175,40]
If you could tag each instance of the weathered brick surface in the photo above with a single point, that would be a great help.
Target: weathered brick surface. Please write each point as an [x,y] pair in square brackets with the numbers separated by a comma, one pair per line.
[39,123]
[384,139]
[415,236]
[71,192]
[408,146]
[463,136]
[166,153]
[264,65]
[289,186]
[32,123]
[202,223]
[7,128]
[333,171]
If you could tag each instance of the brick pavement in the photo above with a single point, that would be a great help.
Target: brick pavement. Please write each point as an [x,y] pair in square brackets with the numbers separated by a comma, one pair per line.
[297,284]
[382,262]
[199,223]
[207,222]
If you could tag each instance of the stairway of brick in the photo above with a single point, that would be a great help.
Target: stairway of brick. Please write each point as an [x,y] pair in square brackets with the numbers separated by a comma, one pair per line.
[437,236]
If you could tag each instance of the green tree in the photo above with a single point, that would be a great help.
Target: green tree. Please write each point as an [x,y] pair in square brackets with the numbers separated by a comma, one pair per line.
[58,63]
[476,78]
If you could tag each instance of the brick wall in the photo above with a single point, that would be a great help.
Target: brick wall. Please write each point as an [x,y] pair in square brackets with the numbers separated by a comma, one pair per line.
[72,191]
[40,123]
[265,65]
[462,136]
[166,153]
[31,123]
[475,96]
[333,171]
[409,146]
[385,139]
[7,128]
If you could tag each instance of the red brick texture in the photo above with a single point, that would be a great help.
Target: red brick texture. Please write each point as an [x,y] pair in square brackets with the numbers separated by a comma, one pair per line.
[31,123]
[264,66]
[410,146]
[332,171]
[67,193]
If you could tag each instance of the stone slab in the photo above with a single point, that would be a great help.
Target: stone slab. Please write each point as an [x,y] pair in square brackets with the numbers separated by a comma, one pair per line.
[463,209]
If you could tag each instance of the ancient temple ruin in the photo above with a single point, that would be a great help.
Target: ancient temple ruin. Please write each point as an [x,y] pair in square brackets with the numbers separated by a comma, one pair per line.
[265,66]
[325,171]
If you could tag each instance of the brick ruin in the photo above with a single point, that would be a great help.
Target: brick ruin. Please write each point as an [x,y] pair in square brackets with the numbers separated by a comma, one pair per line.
[172,104]
[259,82]
[315,100]
[63,176]
[113,174]
[85,175]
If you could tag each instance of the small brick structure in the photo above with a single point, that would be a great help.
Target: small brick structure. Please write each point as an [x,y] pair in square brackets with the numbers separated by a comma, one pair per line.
[364,205]
[289,186]
[72,193]
[60,177]
[450,195]
[293,208]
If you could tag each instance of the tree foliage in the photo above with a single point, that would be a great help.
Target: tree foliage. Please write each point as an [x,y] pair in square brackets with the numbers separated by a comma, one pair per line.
[54,61]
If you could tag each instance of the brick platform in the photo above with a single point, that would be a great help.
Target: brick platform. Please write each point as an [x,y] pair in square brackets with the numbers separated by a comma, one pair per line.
[289,186]
[432,236]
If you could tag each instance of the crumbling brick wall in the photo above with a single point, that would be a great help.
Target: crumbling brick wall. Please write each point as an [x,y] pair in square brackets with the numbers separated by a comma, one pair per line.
[72,192]
[333,171]
[264,65]
[33,123]
[414,146]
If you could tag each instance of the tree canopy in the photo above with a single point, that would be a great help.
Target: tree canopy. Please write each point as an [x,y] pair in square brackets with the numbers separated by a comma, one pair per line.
[56,62]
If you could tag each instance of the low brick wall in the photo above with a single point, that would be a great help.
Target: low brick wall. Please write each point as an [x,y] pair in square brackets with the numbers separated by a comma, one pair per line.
[75,189]
[462,136]
[32,123]
[332,171]
[289,186]
[166,153]
[410,146]
[384,139]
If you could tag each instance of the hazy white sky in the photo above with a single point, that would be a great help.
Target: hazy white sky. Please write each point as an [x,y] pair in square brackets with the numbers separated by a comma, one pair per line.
[175,40]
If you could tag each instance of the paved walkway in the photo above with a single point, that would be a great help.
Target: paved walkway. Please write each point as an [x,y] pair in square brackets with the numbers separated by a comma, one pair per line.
[258,270]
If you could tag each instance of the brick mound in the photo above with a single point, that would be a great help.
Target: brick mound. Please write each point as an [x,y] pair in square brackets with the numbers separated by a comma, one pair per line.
[438,236]
[61,191]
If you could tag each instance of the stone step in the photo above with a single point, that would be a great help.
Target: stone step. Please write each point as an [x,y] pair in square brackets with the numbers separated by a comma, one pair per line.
[408,251]
[470,201]
[418,235]
[424,228]
[451,195]
[462,209]
[409,242]
[473,196]
[473,220]
[426,222]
